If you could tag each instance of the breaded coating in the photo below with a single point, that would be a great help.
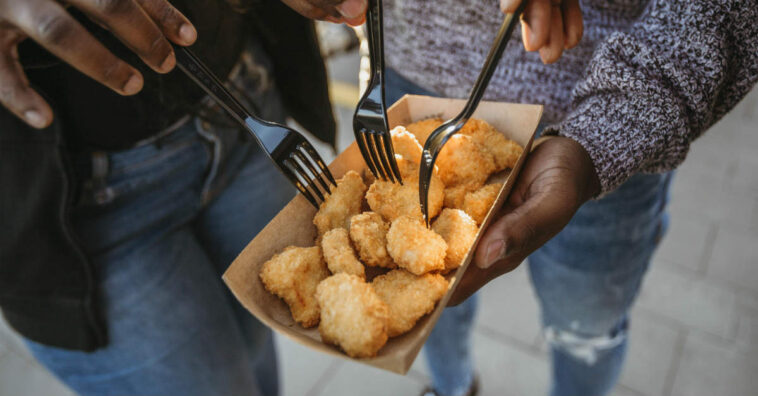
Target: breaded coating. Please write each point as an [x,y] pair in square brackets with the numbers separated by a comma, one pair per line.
[415,247]
[455,195]
[293,275]
[339,255]
[459,230]
[504,152]
[368,177]
[353,316]
[405,144]
[422,129]
[343,203]
[461,160]
[392,200]
[369,234]
[478,203]
[409,297]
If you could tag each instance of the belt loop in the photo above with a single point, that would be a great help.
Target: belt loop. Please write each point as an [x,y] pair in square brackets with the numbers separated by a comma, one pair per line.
[100,164]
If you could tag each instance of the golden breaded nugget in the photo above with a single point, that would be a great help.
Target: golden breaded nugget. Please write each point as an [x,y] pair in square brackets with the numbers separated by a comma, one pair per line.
[339,255]
[459,230]
[293,275]
[343,203]
[454,195]
[353,316]
[461,161]
[409,297]
[415,247]
[478,203]
[369,234]
[405,144]
[504,152]
[392,200]
[422,129]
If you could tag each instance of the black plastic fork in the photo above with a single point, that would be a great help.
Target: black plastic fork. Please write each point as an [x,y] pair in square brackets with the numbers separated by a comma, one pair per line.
[287,148]
[372,132]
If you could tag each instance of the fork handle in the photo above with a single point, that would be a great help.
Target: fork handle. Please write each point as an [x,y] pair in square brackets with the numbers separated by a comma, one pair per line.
[493,58]
[375,36]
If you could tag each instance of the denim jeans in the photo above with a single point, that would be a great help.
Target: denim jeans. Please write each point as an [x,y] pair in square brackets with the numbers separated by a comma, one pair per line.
[161,222]
[586,279]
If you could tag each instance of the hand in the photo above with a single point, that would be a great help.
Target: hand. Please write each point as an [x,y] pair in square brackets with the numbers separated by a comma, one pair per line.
[352,12]
[557,178]
[145,26]
[548,26]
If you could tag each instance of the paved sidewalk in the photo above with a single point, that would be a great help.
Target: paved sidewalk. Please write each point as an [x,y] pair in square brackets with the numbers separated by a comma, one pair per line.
[694,329]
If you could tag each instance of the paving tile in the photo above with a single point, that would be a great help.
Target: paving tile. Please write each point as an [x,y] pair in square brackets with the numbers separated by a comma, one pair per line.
[745,177]
[506,370]
[687,241]
[689,300]
[508,306]
[620,390]
[734,257]
[747,331]
[352,379]
[19,377]
[650,354]
[300,368]
[11,341]
[710,367]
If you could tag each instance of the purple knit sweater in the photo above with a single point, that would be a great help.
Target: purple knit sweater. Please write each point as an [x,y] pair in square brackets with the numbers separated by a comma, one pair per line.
[647,79]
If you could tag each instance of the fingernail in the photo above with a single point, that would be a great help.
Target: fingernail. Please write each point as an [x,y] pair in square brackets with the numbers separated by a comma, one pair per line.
[352,8]
[495,250]
[187,33]
[133,85]
[35,119]
[169,62]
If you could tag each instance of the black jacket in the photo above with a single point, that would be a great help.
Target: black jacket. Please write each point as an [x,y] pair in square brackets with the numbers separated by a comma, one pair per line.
[48,291]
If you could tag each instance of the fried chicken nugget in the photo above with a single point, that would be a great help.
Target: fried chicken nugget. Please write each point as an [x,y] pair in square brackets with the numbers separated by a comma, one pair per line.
[343,203]
[339,255]
[455,195]
[461,161]
[409,297]
[293,275]
[422,129]
[459,230]
[504,152]
[353,316]
[369,234]
[415,247]
[392,200]
[405,144]
[478,203]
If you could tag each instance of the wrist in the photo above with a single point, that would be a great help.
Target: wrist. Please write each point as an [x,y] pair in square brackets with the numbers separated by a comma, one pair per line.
[579,161]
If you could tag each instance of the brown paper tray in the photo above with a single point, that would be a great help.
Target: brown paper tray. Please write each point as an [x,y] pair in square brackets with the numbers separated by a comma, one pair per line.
[294,226]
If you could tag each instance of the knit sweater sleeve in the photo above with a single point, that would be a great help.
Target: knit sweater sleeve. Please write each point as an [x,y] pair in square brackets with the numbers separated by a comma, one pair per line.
[648,92]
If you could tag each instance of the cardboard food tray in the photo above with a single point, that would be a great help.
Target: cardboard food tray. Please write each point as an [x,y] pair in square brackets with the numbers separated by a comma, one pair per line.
[294,226]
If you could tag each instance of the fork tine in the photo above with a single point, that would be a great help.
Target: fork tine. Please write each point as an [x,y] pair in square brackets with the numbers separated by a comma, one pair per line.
[374,155]
[424,179]
[381,158]
[304,159]
[291,174]
[362,141]
[390,155]
[304,174]
[313,154]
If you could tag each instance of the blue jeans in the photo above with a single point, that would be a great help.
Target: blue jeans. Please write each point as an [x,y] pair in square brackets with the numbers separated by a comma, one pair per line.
[161,222]
[586,279]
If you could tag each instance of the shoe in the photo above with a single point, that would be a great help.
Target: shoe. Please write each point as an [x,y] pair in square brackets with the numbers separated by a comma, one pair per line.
[472,390]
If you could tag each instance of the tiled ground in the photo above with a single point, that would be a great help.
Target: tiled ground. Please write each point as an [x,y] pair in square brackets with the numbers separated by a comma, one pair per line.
[694,328]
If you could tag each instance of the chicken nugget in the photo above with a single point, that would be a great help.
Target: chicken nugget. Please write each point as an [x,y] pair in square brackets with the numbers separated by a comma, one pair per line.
[415,247]
[392,200]
[504,152]
[369,234]
[339,255]
[459,230]
[353,316]
[461,161]
[293,275]
[405,144]
[343,203]
[478,203]
[454,195]
[409,297]
[422,129]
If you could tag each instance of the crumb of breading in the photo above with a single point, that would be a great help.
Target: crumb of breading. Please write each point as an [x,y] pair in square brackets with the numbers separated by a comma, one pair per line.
[459,230]
[343,203]
[405,144]
[504,152]
[293,275]
[478,203]
[339,255]
[369,234]
[409,297]
[415,247]
[392,200]
[454,195]
[353,316]
[422,129]
[461,161]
